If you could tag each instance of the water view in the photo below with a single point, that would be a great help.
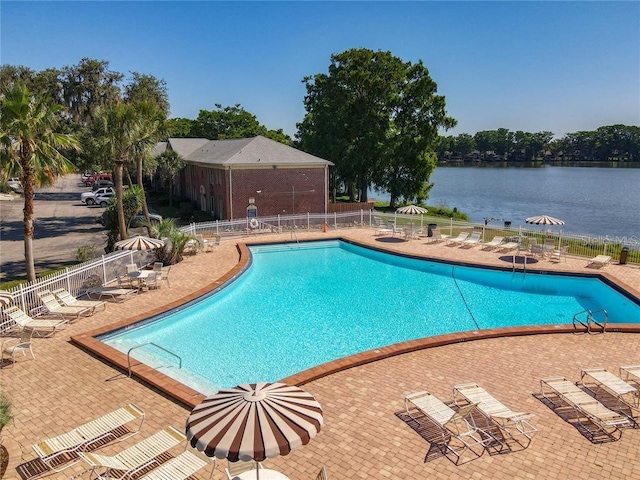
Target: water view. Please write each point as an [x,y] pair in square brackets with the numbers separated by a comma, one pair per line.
[594,201]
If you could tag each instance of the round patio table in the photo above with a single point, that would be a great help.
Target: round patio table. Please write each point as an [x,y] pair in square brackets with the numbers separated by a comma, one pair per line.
[265,474]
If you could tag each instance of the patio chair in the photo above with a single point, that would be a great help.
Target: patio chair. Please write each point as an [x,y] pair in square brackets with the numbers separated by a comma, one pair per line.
[132,267]
[12,346]
[134,458]
[152,281]
[117,294]
[512,424]
[457,428]
[495,242]
[234,469]
[70,301]
[473,240]
[558,255]
[57,451]
[165,276]
[585,407]
[40,326]
[52,307]
[462,236]
[157,267]
[181,467]
[631,373]
[322,474]
[627,396]
[599,261]
[437,236]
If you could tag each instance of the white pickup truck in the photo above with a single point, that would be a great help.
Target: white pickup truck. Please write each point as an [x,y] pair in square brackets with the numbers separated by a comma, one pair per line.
[89,198]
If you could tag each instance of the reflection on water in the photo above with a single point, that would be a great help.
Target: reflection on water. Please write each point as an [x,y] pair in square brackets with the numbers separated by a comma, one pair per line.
[594,201]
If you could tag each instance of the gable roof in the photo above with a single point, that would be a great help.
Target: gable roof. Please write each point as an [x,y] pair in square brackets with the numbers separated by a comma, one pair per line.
[242,151]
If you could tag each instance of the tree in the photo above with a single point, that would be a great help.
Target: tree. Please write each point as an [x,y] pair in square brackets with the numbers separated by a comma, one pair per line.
[147,88]
[376,118]
[120,131]
[31,146]
[169,164]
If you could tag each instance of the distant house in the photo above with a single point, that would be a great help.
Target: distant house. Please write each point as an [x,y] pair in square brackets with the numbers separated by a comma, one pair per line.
[243,177]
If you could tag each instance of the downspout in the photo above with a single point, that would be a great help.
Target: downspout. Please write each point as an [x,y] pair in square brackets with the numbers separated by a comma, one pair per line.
[326,189]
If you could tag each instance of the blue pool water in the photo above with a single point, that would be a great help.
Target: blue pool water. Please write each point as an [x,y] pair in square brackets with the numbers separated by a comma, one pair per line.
[298,306]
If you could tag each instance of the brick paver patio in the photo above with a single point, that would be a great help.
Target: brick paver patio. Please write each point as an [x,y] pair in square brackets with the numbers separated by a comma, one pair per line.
[365,435]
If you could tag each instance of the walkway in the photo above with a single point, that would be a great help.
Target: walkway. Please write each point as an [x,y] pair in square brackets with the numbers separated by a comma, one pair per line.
[364,436]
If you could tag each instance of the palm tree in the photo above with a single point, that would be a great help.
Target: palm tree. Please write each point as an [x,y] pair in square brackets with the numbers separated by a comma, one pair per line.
[169,164]
[30,146]
[123,133]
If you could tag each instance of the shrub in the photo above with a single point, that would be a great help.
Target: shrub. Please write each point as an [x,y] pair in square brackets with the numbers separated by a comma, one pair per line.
[86,252]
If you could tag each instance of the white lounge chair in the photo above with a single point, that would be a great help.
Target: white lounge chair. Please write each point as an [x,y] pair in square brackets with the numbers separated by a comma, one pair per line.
[437,237]
[599,261]
[604,420]
[512,424]
[117,294]
[70,301]
[43,328]
[12,346]
[55,451]
[495,242]
[455,426]
[627,396]
[473,240]
[462,236]
[631,373]
[134,458]
[180,467]
[52,307]
[507,247]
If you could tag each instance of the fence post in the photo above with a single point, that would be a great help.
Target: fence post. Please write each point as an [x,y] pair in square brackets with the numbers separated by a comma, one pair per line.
[335,220]
[66,271]
[450,226]
[22,302]
[104,271]
[217,228]
[308,223]
[278,223]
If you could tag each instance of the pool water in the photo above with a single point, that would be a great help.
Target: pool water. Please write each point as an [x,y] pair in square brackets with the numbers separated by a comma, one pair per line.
[298,306]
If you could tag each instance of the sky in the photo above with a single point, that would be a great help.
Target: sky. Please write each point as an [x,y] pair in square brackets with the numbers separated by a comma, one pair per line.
[533,66]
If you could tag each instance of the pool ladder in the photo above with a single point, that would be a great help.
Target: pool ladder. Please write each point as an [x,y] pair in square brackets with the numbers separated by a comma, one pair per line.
[586,319]
[155,345]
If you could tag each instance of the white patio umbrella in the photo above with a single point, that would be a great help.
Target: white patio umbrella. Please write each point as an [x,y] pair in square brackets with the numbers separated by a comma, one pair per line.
[412,210]
[139,242]
[5,298]
[544,220]
[254,421]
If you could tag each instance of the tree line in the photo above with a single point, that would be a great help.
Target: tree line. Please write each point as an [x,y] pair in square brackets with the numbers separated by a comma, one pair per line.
[613,143]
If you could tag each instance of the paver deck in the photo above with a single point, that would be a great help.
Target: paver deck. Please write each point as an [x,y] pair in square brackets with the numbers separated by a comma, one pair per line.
[364,436]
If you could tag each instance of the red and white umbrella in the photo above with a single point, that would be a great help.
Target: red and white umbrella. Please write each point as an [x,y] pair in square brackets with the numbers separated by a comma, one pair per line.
[5,298]
[254,421]
[544,220]
[138,242]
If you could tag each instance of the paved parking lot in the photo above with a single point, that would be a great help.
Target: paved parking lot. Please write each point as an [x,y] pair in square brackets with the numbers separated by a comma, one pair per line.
[61,222]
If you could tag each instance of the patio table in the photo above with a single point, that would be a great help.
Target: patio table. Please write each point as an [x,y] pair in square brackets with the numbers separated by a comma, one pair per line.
[265,474]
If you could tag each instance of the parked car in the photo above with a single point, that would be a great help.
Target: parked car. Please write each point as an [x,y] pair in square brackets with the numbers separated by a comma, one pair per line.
[89,181]
[103,199]
[139,218]
[90,197]
[101,184]
[14,184]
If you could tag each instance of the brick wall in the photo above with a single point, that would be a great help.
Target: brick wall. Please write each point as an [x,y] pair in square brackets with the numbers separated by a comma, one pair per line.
[275,190]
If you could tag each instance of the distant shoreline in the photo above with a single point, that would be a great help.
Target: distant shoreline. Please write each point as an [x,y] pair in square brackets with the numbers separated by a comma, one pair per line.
[585,164]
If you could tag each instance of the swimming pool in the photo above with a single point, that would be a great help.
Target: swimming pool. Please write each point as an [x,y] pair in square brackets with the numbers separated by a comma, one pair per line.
[298,306]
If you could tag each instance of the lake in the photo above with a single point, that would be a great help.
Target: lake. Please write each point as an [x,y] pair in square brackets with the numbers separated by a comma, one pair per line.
[590,200]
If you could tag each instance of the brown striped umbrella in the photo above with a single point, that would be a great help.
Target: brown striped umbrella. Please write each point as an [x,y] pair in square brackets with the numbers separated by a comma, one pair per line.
[138,243]
[5,298]
[254,421]
[544,220]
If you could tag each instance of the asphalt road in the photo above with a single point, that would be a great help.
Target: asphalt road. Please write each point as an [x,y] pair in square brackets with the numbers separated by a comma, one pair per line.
[61,224]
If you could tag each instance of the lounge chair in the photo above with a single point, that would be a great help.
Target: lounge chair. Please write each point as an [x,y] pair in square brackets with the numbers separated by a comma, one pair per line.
[473,240]
[631,373]
[44,328]
[236,468]
[585,407]
[495,242]
[322,474]
[457,426]
[12,346]
[52,307]
[70,301]
[599,261]
[462,236]
[507,247]
[180,467]
[558,255]
[117,294]
[512,424]
[134,458]
[437,237]
[56,451]
[627,396]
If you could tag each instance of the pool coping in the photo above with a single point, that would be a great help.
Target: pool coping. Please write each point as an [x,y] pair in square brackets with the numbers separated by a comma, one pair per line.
[190,397]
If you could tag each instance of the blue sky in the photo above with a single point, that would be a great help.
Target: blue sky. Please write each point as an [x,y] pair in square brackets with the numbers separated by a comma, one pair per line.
[533,66]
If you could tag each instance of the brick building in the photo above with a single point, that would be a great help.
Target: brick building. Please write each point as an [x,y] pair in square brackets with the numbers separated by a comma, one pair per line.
[256,176]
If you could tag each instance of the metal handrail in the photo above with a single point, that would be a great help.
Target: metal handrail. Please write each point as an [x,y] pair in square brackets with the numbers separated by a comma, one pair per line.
[603,325]
[590,321]
[577,320]
[155,345]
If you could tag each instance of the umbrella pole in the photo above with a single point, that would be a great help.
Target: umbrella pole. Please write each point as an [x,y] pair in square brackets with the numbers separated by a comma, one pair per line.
[257,470]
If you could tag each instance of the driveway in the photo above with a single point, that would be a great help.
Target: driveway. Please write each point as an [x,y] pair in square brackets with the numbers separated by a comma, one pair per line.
[62,224]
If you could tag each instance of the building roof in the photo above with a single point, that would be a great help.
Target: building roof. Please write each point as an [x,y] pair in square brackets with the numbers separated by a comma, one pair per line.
[242,151]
